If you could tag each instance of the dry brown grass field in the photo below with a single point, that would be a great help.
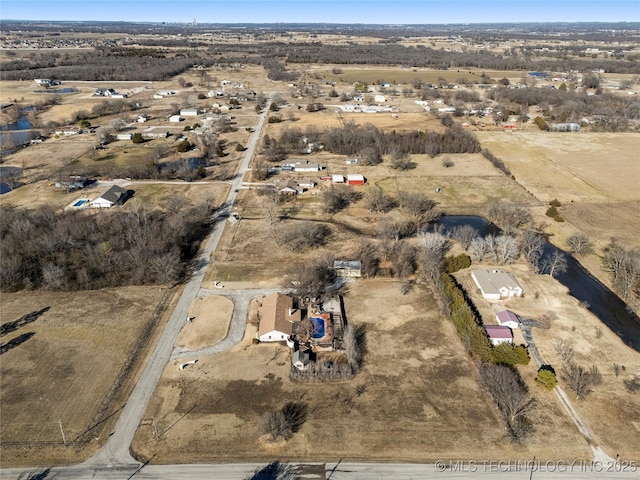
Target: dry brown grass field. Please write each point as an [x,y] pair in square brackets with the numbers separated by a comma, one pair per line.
[421,401]
[606,408]
[596,177]
[421,391]
[70,367]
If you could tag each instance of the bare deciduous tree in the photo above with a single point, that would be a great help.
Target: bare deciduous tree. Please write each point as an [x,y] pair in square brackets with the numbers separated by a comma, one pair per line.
[564,351]
[554,264]
[434,248]
[532,246]
[420,208]
[478,248]
[581,380]
[511,397]
[283,423]
[508,215]
[464,234]
[355,344]
[312,280]
[507,249]
[378,202]
[580,244]
[624,266]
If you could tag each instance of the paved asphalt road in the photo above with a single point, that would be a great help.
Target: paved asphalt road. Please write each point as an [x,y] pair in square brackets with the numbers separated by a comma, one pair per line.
[342,471]
[116,451]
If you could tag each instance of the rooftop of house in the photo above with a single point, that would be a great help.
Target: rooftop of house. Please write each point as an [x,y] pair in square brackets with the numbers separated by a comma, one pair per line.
[114,194]
[507,316]
[491,281]
[277,313]
[498,332]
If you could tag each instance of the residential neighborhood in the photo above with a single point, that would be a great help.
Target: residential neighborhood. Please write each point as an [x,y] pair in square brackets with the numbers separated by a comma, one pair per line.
[318,250]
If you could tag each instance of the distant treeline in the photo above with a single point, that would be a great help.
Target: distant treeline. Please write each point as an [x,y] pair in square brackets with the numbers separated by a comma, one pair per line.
[103,64]
[77,250]
[155,63]
[413,56]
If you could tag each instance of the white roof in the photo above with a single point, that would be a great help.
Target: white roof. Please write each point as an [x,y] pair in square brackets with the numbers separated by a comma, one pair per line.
[355,176]
[337,178]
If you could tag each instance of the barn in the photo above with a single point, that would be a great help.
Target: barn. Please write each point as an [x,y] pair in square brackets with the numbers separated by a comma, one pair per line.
[355,179]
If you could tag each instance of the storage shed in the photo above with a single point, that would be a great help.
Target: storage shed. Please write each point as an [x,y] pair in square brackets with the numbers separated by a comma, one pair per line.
[355,179]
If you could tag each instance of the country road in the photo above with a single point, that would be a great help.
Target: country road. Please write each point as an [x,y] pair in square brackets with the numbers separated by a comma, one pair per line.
[116,451]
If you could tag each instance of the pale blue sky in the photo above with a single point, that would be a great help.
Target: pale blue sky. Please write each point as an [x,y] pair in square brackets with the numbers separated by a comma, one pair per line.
[315,11]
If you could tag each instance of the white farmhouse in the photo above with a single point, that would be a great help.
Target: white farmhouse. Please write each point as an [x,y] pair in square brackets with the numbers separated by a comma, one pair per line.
[276,318]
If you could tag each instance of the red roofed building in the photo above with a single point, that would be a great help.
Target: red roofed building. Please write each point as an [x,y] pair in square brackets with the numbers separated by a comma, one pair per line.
[498,334]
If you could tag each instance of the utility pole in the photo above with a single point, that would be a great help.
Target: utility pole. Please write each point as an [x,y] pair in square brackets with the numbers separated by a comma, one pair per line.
[155,428]
[64,440]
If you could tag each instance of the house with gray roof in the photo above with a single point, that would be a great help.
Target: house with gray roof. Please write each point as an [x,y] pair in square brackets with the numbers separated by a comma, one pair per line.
[114,196]
[496,284]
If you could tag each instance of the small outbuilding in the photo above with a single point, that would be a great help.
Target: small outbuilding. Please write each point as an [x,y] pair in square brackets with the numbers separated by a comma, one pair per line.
[300,359]
[509,319]
[355,179]
[337,178]
[498,334]
[189,112]
[175,119]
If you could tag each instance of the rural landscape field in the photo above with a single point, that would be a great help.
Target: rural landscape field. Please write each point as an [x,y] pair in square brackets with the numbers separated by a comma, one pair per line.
[286,244]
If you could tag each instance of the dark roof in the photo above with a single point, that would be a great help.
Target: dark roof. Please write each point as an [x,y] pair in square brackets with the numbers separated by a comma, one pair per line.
[115,194]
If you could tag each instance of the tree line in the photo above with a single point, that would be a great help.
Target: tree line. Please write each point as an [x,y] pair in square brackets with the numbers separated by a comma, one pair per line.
[104,64]
[369,143]
[78,250]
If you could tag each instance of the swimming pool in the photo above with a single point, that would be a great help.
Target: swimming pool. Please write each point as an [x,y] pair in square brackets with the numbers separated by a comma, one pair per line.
[318,327]
[80,203]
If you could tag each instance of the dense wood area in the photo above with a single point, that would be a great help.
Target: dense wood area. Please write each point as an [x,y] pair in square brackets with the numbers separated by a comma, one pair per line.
[73,250]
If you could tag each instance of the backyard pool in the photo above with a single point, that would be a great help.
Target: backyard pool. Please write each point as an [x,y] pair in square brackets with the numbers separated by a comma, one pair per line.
[80,203]
[318,327]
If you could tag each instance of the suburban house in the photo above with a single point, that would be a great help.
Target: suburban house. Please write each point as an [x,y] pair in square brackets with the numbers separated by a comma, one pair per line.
[142,118]
[307,167]
[507,318]
[69,131]
[276,316]
[189,112]
[47,82]
[153,132]
[355,179]
[498,334]
[348,268]
[496,284]
[104,92]
[290,187]
[114,196]
[307,183]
